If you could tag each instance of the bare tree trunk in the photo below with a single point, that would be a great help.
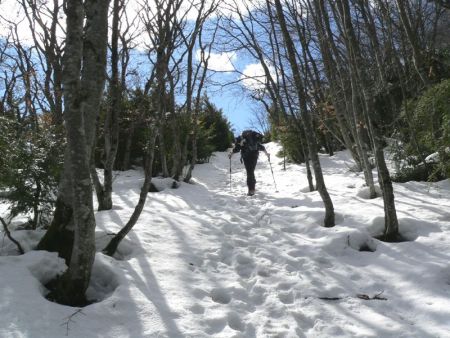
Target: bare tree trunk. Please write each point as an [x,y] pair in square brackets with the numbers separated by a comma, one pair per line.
[8,234]
[163,152]
[311,139]
[112,114]
[402,6]
[127,152]
[205,55]
[84,65]
[327,45]
[177,153]
[111,248]
[359,82]
[49,50]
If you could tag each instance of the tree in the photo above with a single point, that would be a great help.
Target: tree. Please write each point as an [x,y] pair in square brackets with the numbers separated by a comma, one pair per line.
[306,118]
[113,111]
[84,63]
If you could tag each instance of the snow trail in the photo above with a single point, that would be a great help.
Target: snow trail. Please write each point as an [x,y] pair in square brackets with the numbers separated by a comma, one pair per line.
[207,261]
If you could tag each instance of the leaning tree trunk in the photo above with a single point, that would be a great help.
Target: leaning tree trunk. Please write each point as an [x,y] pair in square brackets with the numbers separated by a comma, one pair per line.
[367,168]
[111,248]
[359,77]
[412,38]
[329,220]
[327,45]
[188,176]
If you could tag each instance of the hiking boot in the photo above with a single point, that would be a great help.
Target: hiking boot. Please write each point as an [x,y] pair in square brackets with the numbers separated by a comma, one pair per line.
[251,192]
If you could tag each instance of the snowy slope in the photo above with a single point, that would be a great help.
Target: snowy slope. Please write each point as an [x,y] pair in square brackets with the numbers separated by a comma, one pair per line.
[205,260]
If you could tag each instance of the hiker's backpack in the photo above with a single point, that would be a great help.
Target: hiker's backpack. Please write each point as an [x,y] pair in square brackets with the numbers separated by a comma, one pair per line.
[251,140]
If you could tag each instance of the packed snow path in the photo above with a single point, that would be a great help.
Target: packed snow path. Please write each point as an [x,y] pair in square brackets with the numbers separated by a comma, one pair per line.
[205,260]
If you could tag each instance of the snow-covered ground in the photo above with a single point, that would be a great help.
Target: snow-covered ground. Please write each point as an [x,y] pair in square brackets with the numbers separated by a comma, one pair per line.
[205,260]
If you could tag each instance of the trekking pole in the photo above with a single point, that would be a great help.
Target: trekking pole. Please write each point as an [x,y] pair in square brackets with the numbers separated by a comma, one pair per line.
[273,176]
[230,174]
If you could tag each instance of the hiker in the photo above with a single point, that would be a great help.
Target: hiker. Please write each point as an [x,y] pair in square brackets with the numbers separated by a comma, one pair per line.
[249,144]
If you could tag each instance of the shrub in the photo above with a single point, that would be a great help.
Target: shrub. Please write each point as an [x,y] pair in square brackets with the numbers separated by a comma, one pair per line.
[30,164]
[426,130]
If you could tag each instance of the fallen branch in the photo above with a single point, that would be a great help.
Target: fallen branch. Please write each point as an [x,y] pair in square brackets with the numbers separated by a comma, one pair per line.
[376,297]
[358,295]
[8,234]
[331,298]
[69,320]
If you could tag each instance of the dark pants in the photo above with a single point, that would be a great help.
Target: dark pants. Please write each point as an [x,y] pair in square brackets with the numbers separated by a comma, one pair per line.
[250,160]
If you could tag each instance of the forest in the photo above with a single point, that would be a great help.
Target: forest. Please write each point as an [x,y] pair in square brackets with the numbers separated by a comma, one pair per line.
[92,90]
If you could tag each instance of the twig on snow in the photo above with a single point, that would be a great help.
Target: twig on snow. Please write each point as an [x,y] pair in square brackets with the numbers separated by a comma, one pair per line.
[69,320]
[376,297]
[358,295]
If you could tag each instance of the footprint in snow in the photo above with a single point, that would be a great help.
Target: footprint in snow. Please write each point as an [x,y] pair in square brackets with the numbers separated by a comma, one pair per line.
[263,272]
[214,325]
[324,262]
[286,297]
[296,253]
[199,293]
[197,309]
[228,228]
[258,294]
[240,243]
[235,322]
[243,259]
[244,266]
[284,286]
[253,211]
[223,254]
[262,219]
[220,295]
[243,202]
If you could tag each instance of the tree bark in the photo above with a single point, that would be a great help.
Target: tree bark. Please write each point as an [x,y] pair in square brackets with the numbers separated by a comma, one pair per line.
[359,83]
[329,220]
[112,246]
[112,114]
[84,65]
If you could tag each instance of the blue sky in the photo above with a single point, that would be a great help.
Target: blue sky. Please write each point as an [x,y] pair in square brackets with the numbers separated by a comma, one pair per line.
[236,105]
[234,81]
[232,99]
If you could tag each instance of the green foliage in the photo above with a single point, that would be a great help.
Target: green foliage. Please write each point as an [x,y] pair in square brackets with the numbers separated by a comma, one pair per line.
[418,172]
[286,131]
[205,148]
[136,115]
[215,130]
[426,130]
[30,165]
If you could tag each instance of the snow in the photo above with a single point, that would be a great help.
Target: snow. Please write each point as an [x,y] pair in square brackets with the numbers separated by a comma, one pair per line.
[204,260]
[434,157]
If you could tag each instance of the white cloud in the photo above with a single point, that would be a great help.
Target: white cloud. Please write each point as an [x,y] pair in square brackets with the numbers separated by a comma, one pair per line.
[14,13]
[220,62]
[253,76]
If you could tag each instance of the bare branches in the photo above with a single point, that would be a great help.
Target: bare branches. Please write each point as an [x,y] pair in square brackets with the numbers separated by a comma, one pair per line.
[8,234]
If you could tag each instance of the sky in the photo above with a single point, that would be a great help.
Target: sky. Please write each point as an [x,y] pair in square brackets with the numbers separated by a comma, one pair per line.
[238,76]
[229,265]
[233,100]
[236,106]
